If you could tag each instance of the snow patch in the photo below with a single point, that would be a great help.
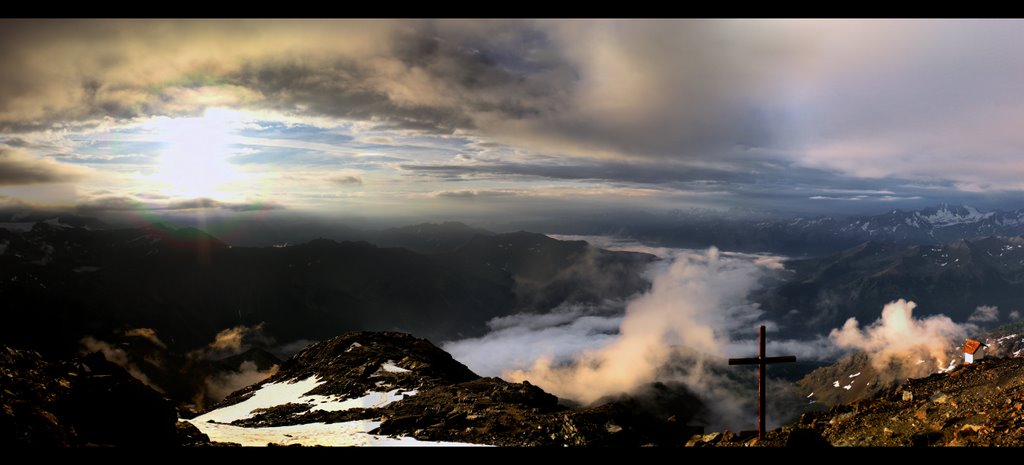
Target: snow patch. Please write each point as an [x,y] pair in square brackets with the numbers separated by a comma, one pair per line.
[390,367]
[274,394]
[268,395]
[945,217]
[836,383]
[854,375]
[848,386]
[349,433]
[370,400]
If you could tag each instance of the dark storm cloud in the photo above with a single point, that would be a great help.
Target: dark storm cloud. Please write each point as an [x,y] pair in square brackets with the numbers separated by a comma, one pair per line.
[205,203]
[19,168]
[761,183]
[108,203]
[17,142]
[339,89]
[113,203]
[346,180]
[436,78]
[422,75]
[780,173]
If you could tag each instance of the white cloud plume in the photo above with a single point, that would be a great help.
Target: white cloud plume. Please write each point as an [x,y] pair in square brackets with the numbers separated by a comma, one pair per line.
[117,356]
[897,340]
[984,314]
[692,305]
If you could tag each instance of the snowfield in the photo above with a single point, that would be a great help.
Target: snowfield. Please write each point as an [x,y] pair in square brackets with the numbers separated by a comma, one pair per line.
[351,433]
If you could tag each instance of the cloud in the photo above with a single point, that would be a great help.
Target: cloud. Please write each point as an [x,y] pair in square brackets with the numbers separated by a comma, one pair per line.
[476,193]
[882,198]
[693,317]
[19,168]
[218,386]
[346,180]
[207,203]
[516,341]
[142,201]
[692,305]
[984,314]
[422,75]
[236,339]
[553,84]
[758,112]
[231,341]
[146,333]
[117,356]
[109,203]
[899,340]
[1014,315]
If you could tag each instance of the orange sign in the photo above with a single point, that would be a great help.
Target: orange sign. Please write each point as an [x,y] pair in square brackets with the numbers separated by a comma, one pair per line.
[971,346]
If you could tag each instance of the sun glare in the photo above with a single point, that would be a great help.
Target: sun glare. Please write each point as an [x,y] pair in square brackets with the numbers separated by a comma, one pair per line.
[194,159]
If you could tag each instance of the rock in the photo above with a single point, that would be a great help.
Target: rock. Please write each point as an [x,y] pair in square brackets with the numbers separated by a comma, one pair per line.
[841,418]
[806,437]
[711,438]
[966,434]
[926,439]
[970,430]
[350,365]
[939,398]
[907,395]
[190,436]
[808,418]
[86,401]
[109,406]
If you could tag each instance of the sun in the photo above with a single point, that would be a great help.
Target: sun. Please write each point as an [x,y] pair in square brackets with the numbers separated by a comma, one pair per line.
[194,159]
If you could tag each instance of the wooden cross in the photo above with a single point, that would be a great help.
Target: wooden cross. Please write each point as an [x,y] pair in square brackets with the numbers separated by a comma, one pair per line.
[761,361]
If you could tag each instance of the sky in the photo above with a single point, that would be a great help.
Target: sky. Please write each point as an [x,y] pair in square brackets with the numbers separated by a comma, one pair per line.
[472,119]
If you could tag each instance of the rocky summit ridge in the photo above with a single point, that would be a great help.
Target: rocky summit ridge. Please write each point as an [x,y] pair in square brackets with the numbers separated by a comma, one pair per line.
[439,399]
[980,404]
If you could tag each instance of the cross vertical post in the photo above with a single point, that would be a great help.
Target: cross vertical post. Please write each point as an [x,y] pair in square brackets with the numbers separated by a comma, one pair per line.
[761,380]
[761,361]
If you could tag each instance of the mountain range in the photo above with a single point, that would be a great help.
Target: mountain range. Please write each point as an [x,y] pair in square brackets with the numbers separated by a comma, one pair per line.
[819,235]
[60,283]
[953,279]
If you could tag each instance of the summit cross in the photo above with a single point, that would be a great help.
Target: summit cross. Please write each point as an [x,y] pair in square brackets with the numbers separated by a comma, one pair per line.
[761,361]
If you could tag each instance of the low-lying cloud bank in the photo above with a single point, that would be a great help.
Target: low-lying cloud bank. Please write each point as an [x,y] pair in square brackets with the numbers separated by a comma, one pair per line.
[695,316]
